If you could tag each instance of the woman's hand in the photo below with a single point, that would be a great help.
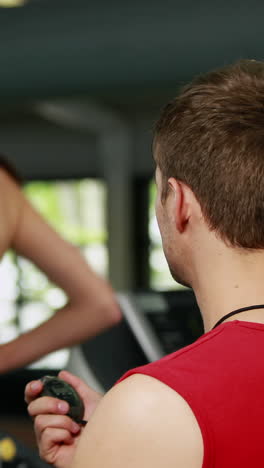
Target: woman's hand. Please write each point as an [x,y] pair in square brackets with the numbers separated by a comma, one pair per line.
[57,434]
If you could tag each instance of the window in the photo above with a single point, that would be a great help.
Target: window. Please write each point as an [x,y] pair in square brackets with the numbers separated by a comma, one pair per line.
[77,210]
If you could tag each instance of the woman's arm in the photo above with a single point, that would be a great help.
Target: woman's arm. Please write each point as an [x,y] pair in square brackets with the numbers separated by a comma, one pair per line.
[91,306]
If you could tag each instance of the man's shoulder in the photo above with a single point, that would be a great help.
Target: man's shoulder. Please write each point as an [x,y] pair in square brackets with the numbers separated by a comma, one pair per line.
[167,418]
[154,424]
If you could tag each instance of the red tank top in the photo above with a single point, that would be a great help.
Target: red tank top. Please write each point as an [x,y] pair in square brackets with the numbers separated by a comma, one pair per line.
[221,377]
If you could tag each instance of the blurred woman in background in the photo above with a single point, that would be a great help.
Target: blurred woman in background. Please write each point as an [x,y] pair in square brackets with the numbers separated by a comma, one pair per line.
[91,305]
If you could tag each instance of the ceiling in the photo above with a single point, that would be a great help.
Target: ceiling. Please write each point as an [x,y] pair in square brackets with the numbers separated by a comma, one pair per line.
[121,52]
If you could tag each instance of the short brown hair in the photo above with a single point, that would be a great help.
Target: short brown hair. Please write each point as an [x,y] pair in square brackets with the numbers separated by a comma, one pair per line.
[211,137]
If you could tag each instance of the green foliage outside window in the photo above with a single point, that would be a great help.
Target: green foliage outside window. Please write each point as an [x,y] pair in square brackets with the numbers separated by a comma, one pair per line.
[66,206]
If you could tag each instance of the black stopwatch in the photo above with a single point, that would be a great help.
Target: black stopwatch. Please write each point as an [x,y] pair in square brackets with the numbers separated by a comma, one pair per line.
[58,388]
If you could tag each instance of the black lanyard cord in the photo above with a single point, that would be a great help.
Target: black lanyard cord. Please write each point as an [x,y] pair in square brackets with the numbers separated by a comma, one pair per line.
[237,311]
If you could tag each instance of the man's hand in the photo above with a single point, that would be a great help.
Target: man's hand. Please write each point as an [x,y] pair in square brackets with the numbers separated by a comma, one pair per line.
[57,434]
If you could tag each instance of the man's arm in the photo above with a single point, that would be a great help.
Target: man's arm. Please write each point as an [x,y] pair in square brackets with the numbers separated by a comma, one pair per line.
[141,423]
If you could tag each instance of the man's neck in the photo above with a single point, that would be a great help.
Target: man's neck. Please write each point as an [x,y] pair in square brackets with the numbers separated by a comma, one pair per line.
[229,282]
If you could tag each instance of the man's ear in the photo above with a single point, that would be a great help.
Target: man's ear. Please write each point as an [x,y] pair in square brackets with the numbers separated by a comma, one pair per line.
[180,203]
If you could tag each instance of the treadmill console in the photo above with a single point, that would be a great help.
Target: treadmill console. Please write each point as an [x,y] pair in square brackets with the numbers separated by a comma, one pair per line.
[174,317]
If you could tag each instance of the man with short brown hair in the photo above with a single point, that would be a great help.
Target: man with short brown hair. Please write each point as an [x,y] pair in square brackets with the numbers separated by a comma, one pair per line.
[200,407]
